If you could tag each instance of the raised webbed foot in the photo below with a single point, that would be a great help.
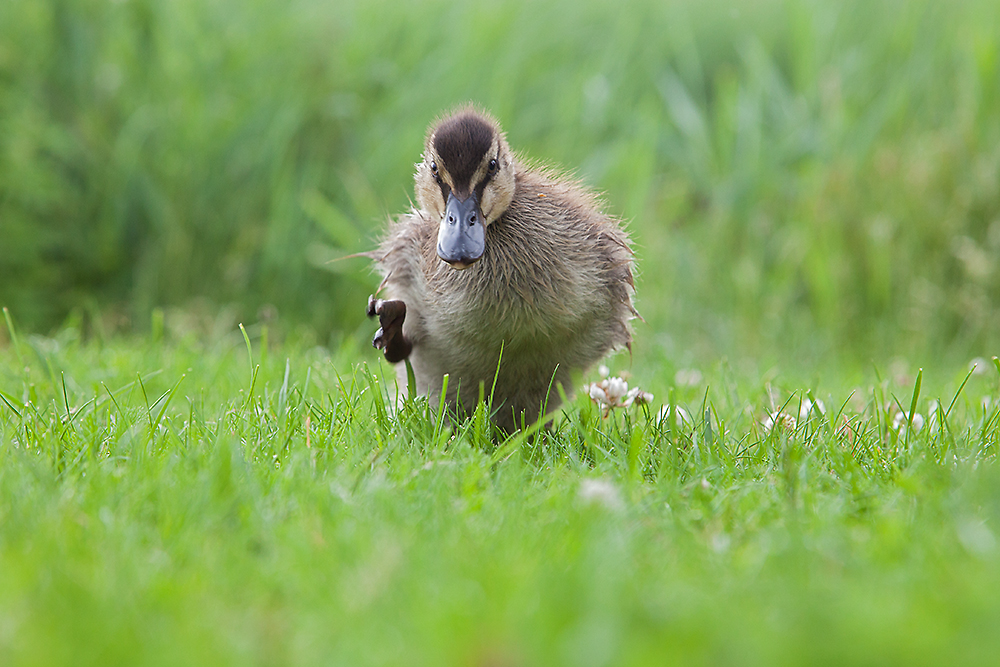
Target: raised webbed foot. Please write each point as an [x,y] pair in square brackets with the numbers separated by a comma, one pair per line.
[389,338]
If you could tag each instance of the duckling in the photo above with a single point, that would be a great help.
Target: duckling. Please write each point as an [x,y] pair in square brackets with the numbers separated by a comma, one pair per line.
[505,276]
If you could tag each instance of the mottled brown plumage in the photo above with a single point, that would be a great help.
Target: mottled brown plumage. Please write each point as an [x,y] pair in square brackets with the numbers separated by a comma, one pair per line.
[552,287]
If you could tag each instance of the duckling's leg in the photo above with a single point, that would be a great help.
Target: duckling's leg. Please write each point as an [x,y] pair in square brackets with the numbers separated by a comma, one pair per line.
[389,338]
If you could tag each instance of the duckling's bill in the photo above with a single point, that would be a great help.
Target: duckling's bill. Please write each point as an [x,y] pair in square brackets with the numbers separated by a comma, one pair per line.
[462,234]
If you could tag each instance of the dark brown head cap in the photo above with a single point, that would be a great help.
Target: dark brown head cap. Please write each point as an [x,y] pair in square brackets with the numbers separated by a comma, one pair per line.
[461,141]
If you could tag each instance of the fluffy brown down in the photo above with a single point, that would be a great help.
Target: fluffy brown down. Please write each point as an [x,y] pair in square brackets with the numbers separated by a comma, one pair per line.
[553,290]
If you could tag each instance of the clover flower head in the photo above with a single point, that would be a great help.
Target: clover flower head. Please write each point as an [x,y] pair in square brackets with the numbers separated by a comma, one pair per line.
[809,408]
[688,377]
[779,419]
[683,418]
[613,392]
[616,388]
[637,396]
[600,492]
[899,422]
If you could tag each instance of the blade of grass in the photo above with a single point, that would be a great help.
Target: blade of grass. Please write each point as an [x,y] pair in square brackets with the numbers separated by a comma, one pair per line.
[246,339]
[959,392]
[913,407]
[170,397]
[16,342]
[514,442]
[440,413]
[62,377]
[496,373]
[121,413]
[149,410]
[7,401]
[411,381]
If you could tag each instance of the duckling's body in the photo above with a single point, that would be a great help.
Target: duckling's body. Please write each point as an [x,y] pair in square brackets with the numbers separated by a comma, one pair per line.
[551,288]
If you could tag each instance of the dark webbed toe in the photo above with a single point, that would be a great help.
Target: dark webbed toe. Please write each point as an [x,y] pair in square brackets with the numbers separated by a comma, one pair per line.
[389,338]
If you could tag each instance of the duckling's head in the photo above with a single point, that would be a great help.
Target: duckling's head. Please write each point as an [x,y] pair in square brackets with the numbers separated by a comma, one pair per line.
[466,180]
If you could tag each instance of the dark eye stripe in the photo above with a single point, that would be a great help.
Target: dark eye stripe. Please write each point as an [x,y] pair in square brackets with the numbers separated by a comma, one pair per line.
[482,186]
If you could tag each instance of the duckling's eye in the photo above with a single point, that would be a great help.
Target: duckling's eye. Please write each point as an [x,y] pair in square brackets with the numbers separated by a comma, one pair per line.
[434,170]
[493,165]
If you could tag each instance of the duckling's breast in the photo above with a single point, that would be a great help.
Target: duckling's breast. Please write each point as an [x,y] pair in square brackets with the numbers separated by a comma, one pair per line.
[539,291]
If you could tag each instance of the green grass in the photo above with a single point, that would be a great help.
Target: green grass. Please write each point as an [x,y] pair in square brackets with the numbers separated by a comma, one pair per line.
[173,502]
[807,178]
[813,188]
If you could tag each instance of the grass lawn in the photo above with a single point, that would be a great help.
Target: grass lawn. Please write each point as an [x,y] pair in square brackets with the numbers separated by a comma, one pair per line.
[813,190]
[174,502]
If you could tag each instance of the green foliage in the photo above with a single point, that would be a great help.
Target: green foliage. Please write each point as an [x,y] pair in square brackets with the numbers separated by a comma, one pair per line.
[799,175]
[808,183]
[180,503]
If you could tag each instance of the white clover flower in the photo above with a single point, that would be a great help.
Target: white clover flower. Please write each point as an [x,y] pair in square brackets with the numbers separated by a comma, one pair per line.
[786,419]
[600,492]
[597,394]
[683,418]
[688,377]
[934,414]
[603,371]
[613,392]
[779,419]
[976,537]
[637,396]
[899,422]
[809,408]
[616,388]
[719,542]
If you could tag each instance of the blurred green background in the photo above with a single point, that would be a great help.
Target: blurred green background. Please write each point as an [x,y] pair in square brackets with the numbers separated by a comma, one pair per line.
[801,178]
